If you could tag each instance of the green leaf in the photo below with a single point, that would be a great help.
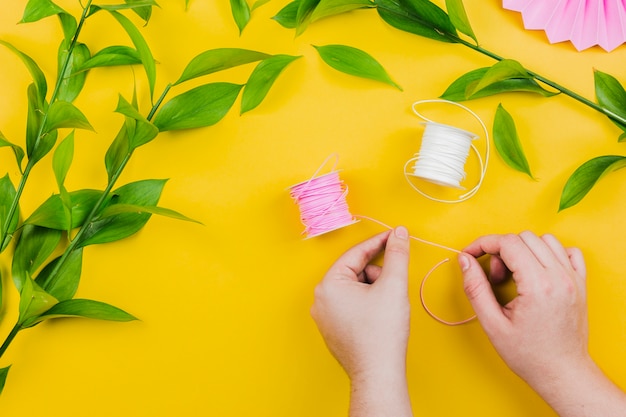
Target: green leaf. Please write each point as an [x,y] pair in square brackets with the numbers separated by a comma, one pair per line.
[219,59]
[4,372]
[586,176]
[33,301]
[507,142]
[35,245]
[419,17]
[202,106]
[39,9]
[62,281]
[258,3]
[17,150]
[303,15]
[142,47]
[83,308]
[69,26]
[51,213]
[459,19]
[458,90]
[286,17]
[36,147]
[142,8]
[241,13]
[117,153]
[355,62]
[73,81]
[62,159]
[262,79]
[115,209]
[144,193]
[140,131]
[327,8]
[611,96]
[38,76]
[502,70]
[7,226]
[127,5]
[111,56]
[63,114]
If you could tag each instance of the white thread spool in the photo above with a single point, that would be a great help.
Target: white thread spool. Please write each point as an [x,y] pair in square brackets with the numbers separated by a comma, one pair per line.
[443,154]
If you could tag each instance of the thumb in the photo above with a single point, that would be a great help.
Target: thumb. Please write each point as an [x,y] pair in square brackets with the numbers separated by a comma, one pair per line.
[396,259]
[479,292]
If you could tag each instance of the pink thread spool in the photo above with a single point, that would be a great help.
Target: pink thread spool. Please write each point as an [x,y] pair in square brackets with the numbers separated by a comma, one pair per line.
[322,203]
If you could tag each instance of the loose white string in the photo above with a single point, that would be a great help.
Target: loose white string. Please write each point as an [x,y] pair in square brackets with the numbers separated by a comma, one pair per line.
[443,154]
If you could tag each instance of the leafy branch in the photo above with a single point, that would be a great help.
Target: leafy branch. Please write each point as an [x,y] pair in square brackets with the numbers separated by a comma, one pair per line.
[71,220]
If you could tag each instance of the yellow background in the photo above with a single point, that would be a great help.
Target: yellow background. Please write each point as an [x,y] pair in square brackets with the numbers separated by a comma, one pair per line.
[224,307]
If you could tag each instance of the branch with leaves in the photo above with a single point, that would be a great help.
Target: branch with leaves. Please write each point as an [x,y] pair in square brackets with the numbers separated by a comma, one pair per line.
[69,221]
[426,19]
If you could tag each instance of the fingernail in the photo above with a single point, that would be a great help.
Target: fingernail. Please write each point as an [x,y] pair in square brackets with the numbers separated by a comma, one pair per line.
[464,262]
[402,232]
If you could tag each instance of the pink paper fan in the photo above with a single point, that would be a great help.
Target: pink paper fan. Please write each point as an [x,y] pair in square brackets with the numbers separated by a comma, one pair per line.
[585,23]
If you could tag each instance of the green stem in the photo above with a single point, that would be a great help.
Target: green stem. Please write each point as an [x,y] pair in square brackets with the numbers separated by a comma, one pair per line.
[98,206]
[31,163]
[10,338]
[546,81]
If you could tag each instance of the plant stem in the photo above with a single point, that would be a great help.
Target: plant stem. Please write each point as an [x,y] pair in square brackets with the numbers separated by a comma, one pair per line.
[31,162]
[10,338]
[545,80]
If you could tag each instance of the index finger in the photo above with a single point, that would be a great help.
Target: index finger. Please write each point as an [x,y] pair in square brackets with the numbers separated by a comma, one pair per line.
[510,248]
[352,263]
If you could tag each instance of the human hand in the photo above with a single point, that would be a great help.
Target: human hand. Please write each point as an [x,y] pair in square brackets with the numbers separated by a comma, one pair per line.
[542,333]
[362,311]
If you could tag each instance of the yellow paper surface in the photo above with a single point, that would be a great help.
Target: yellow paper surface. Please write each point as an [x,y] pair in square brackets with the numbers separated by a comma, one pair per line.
[224,324]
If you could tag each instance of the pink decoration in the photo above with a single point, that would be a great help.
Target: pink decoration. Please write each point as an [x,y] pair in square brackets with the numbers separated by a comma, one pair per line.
[585,23]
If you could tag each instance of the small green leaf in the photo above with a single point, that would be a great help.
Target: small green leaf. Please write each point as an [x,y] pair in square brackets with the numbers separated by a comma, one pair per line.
[262,79]
[142,8]
[73,81]
[39,9]
[17,150]
[62,114]
[199,107]
[612,96]
[4,372]
[506,69]
[51,213]
[219,59]
[33,301]
[62,281]
[303,15]
[586,176]
[327,8]
[458,90]
[459,19]
[286,17]
[507,142]
[127,5]
[140,130]
[355,62]
[115,209]
[419,17]
[144,193]
[62,159]
[83,308]
[258,3]
[7,226]
[142,47]
[37,107]
[69,26]
[241,13]
[111,56]
[118,152]
[38,77]
[35,245]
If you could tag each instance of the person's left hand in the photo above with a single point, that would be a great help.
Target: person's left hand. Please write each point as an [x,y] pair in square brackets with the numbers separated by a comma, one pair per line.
[362,311]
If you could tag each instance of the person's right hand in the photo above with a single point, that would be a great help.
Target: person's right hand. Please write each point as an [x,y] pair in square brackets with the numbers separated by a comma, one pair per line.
[542,334]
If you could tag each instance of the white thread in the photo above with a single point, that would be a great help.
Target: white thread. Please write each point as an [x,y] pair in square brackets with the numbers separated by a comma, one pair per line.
[443,154]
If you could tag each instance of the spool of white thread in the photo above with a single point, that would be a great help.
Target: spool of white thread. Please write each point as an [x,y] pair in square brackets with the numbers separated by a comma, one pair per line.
[443,154]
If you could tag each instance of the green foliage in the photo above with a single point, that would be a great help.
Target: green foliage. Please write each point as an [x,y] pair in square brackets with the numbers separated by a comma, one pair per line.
[420,17]
[3,377]
[355,62]
[241,13]
[611,95]
[586,176]
[286,17]
[507,142]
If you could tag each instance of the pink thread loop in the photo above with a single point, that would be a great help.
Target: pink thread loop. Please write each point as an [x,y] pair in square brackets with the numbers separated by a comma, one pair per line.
[428,310]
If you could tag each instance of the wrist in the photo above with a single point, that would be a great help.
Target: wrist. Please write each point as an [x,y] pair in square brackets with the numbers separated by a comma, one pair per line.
[380,392]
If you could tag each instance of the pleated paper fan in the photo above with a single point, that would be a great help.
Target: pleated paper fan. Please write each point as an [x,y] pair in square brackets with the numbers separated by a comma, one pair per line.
[585,23]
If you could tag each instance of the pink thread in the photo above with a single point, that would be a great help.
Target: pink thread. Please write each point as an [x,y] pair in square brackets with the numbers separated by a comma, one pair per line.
[323,208]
